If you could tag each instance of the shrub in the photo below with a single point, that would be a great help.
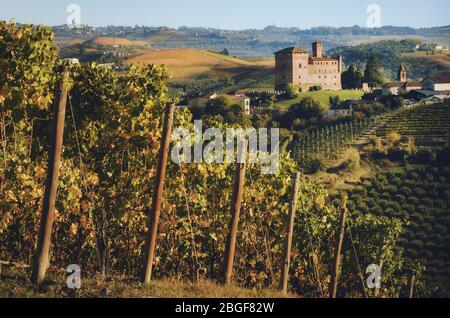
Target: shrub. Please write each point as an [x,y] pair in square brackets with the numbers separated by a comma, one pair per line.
[409,207]
[427,254]
[392,189]
[428,203]
[292,91]
[400,198]
[353,160]
[422,209]
[413,200]
[318,164]
[406,191]
[411,253]
[394,138]
[440,229]
[416,245]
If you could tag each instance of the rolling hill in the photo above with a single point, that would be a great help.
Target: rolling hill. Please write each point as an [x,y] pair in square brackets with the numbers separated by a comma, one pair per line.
[206,71]
[196,64]
[109,41]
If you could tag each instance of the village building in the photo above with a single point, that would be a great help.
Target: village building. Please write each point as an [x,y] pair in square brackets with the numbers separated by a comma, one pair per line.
[402,85]
[439,83]
[239,99]
[243,101]
[343,110]
[295,66]
[72,61]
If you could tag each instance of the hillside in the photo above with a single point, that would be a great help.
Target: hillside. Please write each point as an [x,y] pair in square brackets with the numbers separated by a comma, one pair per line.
[428,124]
[392,53]
[110,41]
[262,42]
[191,63]
[417,195]
[201,72]
[415,190]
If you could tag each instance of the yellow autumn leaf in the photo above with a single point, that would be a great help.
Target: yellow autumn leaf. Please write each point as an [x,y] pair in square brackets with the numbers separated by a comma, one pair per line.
[73,229]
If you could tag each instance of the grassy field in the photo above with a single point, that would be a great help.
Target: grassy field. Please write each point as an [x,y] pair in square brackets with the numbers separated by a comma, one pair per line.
[15,284]
[323,97]
[109,41]
[443,57]
[185,64]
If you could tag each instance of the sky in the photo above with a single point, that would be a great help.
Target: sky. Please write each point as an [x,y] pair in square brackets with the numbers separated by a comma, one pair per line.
[229,14]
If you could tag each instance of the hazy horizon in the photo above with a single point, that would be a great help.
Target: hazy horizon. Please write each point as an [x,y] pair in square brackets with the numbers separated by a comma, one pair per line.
[233,15]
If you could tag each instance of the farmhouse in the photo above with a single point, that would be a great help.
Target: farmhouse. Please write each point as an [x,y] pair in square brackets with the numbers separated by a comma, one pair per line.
[440,83]
[72,61]
[401,85]
[295,66]
[243,101]
[239,99]
[342,110]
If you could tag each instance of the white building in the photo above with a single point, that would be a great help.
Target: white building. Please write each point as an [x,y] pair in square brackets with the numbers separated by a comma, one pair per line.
[440,83]
[242,100]
[72,61]
[238,99]
[401,85]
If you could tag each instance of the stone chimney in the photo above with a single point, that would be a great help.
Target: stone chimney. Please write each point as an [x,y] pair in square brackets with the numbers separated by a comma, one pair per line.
[317,49]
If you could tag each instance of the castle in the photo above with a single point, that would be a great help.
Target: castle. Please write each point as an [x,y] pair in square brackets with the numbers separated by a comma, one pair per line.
[295,66]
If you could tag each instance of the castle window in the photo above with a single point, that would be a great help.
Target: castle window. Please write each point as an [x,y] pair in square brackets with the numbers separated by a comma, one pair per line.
[300,65]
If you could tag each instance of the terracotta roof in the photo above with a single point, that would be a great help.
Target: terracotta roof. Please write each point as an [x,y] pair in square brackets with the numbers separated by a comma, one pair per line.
[394,84]
[239,97]
[414,84]
[440,79]
[291,50]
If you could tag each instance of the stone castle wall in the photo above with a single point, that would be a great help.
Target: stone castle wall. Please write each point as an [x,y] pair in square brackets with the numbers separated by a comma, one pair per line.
[307,71]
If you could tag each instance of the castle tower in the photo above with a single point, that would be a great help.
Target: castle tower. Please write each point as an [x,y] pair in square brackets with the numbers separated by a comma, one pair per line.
[317,49]
[402,74]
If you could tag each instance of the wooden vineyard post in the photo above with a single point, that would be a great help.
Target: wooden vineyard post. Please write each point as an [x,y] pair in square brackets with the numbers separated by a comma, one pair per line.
[41,258]
[290,232]
[411,282]
[337,253]
[238,190]
[150,245]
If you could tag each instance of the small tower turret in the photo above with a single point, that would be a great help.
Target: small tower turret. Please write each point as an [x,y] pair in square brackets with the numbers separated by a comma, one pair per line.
[317,49]
[402,74]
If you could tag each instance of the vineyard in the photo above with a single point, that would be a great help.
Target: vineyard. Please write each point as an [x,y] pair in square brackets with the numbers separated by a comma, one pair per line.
[418,196]
[86,179]
[428,124]
[331,142]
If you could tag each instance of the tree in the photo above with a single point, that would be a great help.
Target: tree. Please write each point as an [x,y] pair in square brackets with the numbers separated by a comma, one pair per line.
[352,78]
[392,101]
[306,109]
[372,73]
[291,91]
[335,100]
[224,107]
